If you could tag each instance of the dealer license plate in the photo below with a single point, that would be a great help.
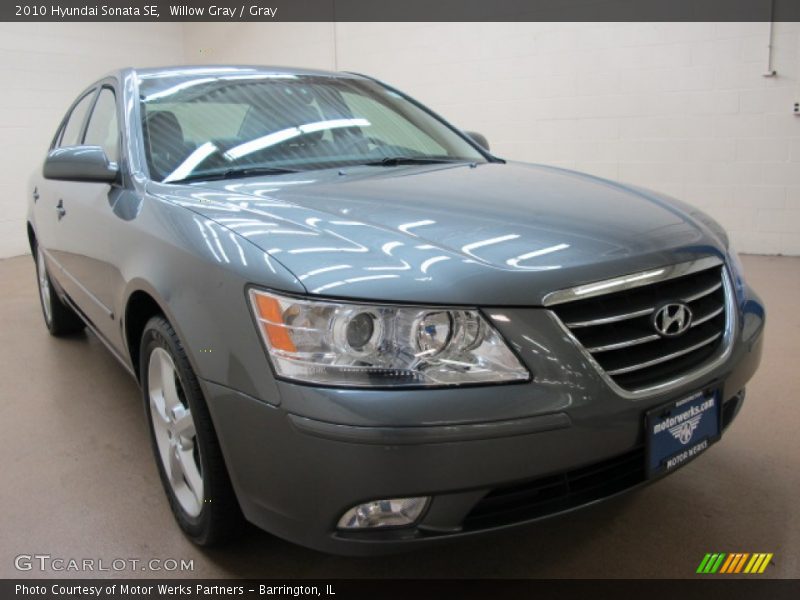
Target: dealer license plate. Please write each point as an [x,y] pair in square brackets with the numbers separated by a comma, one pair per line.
[680,430]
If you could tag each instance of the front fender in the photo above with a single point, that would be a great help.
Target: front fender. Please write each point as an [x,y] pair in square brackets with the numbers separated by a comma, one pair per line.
[197,271]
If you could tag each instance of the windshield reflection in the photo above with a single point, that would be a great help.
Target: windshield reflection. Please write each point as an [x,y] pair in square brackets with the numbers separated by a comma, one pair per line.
[236,125]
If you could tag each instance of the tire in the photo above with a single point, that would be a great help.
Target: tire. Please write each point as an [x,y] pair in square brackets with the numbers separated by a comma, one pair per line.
[59,318]
[184,442]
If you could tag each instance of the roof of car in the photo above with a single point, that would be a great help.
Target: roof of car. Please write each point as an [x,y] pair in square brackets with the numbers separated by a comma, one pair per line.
[200,70]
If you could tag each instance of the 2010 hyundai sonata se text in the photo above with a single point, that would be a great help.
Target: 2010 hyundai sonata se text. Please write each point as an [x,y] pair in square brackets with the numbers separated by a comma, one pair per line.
[357,328]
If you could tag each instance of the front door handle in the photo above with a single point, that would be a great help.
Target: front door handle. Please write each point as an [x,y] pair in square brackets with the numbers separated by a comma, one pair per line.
[60,209]
[35,194]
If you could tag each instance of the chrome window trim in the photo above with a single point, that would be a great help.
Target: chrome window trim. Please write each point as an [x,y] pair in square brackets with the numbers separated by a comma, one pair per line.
[728,334]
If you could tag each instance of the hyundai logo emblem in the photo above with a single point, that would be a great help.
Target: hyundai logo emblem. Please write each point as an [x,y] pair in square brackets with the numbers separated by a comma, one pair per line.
[672,319]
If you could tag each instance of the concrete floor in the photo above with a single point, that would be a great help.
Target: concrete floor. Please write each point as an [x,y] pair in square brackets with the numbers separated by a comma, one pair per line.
[78,479]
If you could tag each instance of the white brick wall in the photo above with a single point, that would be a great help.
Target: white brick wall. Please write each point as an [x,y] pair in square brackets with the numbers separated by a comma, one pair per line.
[288,44]
[43,66]
[679,107]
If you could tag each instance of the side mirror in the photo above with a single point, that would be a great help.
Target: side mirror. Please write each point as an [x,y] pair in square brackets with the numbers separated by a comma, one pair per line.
[80,163]
[479,139]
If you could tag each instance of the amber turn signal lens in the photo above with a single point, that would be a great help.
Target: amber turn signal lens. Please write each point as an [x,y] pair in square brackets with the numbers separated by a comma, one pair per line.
[271,321]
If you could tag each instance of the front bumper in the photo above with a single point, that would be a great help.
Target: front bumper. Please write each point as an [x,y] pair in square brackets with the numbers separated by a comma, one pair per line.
[298,463]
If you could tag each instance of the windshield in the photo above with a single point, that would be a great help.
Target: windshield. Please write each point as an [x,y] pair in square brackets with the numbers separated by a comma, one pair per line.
[239,125]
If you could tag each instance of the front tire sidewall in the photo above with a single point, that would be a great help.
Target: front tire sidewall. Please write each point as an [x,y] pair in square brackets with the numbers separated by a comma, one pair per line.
[158,334]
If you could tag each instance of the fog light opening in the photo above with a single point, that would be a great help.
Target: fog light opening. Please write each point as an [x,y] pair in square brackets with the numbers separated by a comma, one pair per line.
[394,512]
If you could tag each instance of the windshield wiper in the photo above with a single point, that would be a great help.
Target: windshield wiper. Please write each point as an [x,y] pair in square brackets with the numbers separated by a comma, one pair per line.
[234,173]
[393,161]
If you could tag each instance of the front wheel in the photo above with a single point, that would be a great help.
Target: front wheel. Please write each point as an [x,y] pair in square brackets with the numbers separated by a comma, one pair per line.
[184,442]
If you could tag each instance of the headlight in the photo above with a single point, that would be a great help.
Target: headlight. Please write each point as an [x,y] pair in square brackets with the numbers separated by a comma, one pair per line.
[338,343]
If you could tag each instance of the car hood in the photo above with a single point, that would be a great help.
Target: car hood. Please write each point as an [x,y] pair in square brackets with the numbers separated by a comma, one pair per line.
[488,234]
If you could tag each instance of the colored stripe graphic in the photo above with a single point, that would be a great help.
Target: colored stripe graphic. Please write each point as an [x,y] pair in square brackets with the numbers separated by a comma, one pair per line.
[764,564]
[735,556]
[710,563]
[726,565]
[735,562]
[754,563]
[717,564]
[709,568]
[740,564]
[730,564]
[703,563]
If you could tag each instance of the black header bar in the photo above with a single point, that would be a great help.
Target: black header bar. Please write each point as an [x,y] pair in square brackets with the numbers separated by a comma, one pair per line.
[401,589]
[400,10]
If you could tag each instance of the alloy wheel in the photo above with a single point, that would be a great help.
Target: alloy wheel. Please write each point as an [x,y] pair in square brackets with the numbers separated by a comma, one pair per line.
[175,433]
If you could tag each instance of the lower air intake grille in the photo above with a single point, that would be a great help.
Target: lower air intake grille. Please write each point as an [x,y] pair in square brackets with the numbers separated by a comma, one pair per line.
[557,493]
[618,328]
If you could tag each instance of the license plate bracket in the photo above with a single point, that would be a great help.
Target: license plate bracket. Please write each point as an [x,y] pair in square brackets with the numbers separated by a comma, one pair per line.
[680,430]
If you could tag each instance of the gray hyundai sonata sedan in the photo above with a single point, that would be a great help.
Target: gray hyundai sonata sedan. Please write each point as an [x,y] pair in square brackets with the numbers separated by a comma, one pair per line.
[357,328]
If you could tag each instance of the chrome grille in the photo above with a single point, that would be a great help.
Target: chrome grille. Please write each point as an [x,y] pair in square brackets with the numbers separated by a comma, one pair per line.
[613,323]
